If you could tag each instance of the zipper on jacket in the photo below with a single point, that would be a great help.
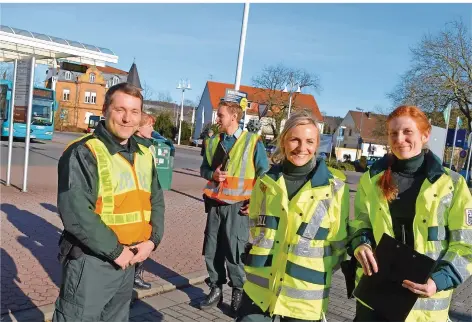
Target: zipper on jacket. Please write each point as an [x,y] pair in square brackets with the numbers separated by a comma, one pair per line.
[403,234]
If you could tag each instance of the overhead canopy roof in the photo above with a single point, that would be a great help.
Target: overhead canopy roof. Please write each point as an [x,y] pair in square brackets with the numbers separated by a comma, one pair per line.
[19,43]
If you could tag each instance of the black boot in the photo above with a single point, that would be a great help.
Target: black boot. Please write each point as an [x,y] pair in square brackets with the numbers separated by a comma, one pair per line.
[138,278]
[213,299]
[236,297]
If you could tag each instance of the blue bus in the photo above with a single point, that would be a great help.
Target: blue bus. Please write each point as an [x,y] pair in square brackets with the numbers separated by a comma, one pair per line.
[42,119]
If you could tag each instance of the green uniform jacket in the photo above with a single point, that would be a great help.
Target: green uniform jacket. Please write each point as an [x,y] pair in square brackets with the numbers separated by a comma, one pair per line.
[78,191]
[442,228]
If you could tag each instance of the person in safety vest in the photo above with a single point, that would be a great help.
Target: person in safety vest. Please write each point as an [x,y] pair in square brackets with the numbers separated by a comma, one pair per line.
[233,160]
[299,214]
[112,209]
[144,136]
[410,196]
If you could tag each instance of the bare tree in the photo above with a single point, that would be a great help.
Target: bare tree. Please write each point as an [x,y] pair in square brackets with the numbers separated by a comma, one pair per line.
[441,73]
[6,71]
[165,97]
[148,92]
[270,84]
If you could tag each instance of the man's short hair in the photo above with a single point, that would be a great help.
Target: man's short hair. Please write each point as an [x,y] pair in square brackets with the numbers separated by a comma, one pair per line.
[147,119]
[126,88]
[233,108]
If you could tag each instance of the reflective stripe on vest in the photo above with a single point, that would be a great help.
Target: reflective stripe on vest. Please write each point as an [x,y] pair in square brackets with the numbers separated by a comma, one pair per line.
[238,184]
[431,304]
[308,295]
[124,192]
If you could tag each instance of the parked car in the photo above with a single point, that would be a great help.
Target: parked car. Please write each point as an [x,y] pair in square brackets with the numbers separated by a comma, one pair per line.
[371,160]
[197,142]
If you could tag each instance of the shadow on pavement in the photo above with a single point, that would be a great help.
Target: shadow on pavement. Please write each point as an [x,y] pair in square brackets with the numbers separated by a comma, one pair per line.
[459,317]
[50,207]
[3,182]
[188,174]
[142,311]
[187,195]
[9,283]
[41,238]
[174,278]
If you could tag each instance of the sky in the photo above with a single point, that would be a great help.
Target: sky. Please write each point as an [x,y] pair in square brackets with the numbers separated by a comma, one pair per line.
[358,51]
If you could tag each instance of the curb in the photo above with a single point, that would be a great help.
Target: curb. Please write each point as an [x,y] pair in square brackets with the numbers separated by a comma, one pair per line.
[45,312]
[187,147]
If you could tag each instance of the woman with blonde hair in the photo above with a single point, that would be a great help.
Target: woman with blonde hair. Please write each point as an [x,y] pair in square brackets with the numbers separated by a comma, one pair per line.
[410,196]
[298,214]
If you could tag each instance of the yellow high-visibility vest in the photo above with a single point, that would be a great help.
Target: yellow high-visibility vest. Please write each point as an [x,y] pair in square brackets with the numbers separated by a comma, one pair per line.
[297,244]
[124,192]
[241,169]
[440,228]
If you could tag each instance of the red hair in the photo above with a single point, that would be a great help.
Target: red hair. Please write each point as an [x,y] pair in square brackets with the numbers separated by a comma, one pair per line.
[386,184]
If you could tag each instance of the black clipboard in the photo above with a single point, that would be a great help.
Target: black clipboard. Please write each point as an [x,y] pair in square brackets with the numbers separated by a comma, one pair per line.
[383,291]
[221,157]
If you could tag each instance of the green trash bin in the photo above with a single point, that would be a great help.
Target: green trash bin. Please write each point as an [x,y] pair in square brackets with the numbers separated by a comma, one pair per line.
[164,153]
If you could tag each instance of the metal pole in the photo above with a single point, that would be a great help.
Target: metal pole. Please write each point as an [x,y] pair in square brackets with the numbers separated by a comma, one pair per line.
[453,144]
[289,105]
[242,44]
[181,115]
[468,161]
[28,124]
[447,130]
[193,121]
[360,136]
[10,126]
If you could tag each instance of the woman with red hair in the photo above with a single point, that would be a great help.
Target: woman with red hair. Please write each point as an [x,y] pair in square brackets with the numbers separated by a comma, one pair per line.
[410,196]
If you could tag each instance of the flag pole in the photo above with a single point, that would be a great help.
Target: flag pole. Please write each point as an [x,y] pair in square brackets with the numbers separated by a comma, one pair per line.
[454,142]
[447,128]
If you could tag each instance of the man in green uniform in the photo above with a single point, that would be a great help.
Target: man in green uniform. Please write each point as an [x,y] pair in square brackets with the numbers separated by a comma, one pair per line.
[112,209]
[227,196]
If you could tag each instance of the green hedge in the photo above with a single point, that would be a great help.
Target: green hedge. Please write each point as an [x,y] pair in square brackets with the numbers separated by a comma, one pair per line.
[341,166]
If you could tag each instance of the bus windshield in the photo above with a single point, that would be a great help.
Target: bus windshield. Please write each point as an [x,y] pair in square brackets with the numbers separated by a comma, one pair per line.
[42,115]
[3,101]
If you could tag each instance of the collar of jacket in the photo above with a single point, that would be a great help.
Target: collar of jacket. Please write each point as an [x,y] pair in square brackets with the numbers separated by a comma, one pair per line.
[114,147]
[236,134]
[320,175]
[143,141]
[433,166]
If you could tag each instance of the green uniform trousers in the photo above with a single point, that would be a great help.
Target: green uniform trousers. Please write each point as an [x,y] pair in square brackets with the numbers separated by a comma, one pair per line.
[92,290]
[226,234]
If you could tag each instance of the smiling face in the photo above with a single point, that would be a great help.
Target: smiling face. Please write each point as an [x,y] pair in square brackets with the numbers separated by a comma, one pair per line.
[122,116]
[300,144]
[404,137]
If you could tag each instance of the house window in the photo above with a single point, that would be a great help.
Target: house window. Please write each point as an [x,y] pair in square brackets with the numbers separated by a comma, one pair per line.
[92,77]
[350,132]
[65,95]
[68,75]
[93,98]
[115,80]
[87,97]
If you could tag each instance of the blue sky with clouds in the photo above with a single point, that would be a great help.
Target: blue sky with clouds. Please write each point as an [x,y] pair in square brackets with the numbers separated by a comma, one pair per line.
[358,50]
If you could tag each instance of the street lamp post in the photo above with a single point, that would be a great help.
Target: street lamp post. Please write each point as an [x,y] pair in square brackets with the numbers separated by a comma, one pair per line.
[290,96]
[342,127]
[359,144]
[183,85]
